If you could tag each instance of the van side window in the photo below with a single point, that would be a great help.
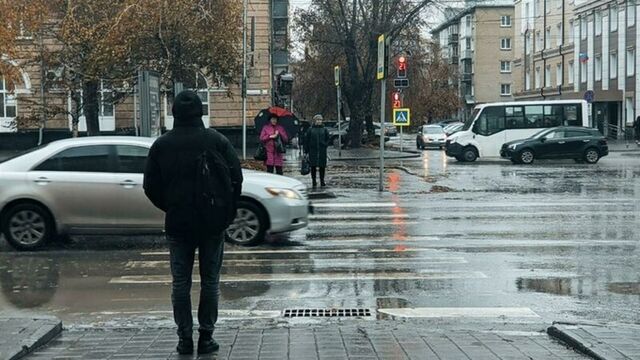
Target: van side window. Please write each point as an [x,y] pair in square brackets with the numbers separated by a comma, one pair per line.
[534,115]
[490,122]
[552,115]
[514,116]
[572,115]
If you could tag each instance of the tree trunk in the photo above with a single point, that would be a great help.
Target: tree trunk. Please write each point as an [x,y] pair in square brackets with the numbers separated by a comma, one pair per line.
[91,107]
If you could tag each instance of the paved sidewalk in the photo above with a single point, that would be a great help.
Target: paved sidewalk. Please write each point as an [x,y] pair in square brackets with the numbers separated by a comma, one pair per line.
[623,146]
[370,340]
[19,336]
[603,342]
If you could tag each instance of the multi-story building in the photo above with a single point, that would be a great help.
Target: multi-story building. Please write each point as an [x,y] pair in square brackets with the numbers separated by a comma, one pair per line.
[478,40]
[575,49]
[268,60]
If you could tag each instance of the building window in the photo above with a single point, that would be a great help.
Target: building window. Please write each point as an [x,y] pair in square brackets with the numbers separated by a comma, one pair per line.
[505,66]
[538,78]
[583,72]
[547,6]
[559,74]
[571,73]
[631,13]
[7,102]
[629,110]
[547,38]
[505,44]
[559,3]
[598,64]
[467,43]
[559,39]
[613,18]
[536,9]
[583,28]
[547,76]
[538,41]
[631,62]
[598,23]
[527,80]
[613,65]
[529,45]
[505,21]
[571,28]
[468,21]
[505,89]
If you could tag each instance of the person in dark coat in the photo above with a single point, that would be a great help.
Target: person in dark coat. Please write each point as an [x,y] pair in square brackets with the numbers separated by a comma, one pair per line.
[636,128]
[316,143]
[169,180]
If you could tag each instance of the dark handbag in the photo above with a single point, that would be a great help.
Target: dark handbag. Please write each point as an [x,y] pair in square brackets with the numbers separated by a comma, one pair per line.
[280,146]
[305,167]
[261,153]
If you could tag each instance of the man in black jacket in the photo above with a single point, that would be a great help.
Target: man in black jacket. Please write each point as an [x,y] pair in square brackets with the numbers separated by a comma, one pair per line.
[169,180]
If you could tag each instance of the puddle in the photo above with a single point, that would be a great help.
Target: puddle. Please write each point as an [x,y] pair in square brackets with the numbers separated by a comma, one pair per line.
[390,303]
[624,288]
[557,286]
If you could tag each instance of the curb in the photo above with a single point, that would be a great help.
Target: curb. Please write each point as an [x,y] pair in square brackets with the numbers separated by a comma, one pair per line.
[411,156]
[41,337]
[575,342]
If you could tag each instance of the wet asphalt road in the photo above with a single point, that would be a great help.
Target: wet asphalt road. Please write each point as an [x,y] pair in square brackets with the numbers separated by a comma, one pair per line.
[487,241]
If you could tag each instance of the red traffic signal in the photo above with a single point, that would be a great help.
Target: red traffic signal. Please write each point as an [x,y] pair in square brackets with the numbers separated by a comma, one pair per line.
[396,100]
[402,67]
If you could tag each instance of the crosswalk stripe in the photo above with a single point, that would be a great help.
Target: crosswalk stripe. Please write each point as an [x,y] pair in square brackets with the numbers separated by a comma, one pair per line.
[440,275]
[355,205]
[302,251]
[467,312]
[148,264]
[363,223]
[350,216]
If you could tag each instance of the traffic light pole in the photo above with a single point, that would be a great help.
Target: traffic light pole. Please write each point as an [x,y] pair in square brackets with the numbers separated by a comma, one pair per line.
[339,122]
[244,80]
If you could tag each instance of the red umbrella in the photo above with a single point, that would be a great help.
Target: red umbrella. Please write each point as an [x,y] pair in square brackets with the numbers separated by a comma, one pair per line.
[285,118]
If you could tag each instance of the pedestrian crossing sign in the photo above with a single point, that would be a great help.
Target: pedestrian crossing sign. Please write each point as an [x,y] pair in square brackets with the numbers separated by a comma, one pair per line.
[402,117]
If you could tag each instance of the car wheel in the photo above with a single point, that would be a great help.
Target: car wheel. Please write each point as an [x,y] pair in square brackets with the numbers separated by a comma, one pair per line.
[249,226]
[27,226]
[469,154]
[591,155]
[526,157]
[459,158]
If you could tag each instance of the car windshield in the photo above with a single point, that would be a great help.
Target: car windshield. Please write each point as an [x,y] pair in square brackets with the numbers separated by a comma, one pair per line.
[20,153]
[433,130]
[469,121]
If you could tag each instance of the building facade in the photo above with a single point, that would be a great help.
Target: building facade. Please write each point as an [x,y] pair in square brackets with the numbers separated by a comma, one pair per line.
[478,41]
[575,49]
[268,60]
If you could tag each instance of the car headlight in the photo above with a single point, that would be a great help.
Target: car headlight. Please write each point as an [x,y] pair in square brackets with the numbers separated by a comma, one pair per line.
[514,146]
[286,193]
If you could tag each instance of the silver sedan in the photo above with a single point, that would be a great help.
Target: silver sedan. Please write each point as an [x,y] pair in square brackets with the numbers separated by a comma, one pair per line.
[93,185]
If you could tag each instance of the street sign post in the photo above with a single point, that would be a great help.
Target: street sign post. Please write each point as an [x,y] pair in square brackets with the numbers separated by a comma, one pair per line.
[336,74]
[381,75]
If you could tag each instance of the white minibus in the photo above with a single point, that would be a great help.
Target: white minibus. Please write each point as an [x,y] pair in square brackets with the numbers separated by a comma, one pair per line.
[493,124]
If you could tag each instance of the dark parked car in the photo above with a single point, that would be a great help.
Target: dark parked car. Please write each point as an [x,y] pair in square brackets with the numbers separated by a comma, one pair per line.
[578,143]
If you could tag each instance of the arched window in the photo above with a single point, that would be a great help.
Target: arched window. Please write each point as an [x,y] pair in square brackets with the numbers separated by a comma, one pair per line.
[8,107]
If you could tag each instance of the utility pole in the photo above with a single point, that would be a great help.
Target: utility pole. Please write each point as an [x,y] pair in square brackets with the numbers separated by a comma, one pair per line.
[244,79]
[381,74]
[338,100]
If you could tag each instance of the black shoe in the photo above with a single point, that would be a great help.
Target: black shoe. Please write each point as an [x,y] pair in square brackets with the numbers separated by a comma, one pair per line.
[315,185]
[206,344]
[323,184]
[185,346]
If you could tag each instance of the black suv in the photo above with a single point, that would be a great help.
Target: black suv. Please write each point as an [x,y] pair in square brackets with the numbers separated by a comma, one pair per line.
[568,142]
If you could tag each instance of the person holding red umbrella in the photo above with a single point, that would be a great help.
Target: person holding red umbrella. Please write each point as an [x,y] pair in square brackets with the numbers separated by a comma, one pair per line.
[274,137]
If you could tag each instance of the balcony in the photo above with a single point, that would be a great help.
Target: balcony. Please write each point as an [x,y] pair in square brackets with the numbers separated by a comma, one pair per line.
[466,77]
[453,60]
[466,54]
[453,38]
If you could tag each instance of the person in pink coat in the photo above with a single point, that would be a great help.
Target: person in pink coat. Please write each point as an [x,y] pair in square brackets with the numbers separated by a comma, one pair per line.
[268,136]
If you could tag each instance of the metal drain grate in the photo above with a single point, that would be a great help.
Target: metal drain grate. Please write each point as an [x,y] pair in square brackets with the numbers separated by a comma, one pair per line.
[290,313]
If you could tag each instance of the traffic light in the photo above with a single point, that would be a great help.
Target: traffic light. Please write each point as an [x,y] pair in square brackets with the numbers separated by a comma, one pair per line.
[396,100]
[402,67]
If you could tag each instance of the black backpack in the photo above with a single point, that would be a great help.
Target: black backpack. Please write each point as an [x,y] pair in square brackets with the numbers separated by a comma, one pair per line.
[213,192]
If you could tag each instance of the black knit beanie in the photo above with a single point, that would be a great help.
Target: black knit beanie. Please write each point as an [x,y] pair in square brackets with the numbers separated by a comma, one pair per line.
[187,106]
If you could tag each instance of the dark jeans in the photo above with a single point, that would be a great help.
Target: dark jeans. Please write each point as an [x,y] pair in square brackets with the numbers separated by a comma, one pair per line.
[313,175]
[278,169]
[210,253]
